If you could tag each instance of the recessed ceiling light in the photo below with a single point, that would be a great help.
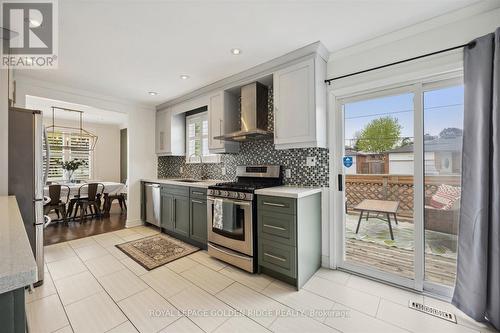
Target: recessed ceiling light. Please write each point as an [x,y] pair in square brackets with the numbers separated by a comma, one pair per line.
[152,93]
[184,77]
[236,51]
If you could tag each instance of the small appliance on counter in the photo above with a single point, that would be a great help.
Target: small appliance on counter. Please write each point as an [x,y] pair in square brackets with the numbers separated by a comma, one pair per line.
[232,218]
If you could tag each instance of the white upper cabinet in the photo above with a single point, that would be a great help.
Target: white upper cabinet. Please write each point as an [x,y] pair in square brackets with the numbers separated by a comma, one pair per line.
[170,133]
[300,105]
[222,119]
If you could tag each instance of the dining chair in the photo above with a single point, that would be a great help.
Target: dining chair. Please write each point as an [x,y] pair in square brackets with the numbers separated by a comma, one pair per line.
[121,197]
[91,201]
[56,203]
[109,198]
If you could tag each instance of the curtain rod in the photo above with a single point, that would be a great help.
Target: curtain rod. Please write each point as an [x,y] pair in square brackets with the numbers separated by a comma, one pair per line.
[469,45]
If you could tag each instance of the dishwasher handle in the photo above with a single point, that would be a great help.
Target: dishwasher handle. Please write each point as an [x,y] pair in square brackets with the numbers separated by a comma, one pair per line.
[153,209]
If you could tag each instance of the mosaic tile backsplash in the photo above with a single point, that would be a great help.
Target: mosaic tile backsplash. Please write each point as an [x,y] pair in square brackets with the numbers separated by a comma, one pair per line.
[254,153]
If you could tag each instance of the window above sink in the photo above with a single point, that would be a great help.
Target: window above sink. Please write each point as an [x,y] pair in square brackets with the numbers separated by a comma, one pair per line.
[197,140]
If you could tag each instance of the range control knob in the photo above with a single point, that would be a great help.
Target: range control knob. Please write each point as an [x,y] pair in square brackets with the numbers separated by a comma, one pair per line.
[225,194]
[233,195]
[241,196]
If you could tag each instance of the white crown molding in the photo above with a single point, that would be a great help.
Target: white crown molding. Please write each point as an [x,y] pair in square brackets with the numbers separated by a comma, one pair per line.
[433,23]
[120,105]
[262,69]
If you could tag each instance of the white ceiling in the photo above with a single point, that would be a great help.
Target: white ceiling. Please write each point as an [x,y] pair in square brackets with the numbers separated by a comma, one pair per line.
[90,114]
[127,48]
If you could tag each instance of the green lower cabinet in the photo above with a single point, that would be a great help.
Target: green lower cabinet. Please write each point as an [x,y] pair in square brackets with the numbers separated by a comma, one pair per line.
[184,214]
[12,312]
[181,215]
[278,257]
[289,237]
[277,227]
[198,227]
[167,201]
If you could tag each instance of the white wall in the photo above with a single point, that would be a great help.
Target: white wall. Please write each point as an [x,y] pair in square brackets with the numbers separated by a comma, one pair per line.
[142,159]
[433,35]
[106,155]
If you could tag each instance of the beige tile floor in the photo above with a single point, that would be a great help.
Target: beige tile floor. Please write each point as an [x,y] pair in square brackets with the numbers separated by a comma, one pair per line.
[90,286]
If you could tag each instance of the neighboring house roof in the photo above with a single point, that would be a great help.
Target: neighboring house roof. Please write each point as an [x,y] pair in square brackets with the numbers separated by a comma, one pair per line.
[348,151]
[435,145]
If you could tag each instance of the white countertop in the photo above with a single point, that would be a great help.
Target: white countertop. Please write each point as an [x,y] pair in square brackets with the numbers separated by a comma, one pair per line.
[289,191]
[172,181]
[17,263]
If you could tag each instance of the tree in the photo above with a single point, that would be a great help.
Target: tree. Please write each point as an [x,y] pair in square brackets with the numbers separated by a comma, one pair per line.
[379,135]
[406,142]
[451,132]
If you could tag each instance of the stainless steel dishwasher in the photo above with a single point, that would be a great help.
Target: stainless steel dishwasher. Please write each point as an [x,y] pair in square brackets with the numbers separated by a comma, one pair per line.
[152,203]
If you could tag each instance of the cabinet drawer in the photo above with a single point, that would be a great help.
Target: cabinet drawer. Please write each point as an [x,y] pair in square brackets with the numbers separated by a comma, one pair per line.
[277,204]
[277,227]
[278,257]
[200,193]
[176,190]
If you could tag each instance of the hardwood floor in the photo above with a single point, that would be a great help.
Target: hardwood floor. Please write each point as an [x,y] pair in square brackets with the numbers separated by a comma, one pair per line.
[59,232]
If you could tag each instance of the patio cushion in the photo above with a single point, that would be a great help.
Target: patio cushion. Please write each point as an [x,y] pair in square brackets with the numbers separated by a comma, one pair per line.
[445,197]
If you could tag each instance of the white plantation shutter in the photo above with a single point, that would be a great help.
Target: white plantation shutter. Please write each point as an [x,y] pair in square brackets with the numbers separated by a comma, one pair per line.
[197,140]
[80,150]
[56,155]
[66,147]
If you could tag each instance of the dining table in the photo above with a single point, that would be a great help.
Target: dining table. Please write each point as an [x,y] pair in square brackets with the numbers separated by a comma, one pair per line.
[110,188]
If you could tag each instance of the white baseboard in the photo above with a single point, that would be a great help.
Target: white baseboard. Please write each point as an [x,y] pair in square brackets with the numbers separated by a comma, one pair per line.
[133,223]
[325,261]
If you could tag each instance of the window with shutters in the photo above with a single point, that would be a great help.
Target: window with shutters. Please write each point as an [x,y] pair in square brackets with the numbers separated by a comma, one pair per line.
[197,140]
[66,147]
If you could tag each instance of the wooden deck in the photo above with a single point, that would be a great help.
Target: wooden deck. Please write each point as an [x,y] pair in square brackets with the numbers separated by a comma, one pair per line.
[400,262]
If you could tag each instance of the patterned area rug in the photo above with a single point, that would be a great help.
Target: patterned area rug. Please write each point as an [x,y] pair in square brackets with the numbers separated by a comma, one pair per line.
[157,250]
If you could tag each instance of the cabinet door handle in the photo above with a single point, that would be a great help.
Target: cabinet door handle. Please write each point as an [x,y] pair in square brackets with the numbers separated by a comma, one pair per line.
[174,211]
[197,201]
[198,193]
[273,204]
[274,257]
[274,227]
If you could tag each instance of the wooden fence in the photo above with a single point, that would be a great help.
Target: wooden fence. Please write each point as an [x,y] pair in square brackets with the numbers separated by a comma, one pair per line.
[391,187]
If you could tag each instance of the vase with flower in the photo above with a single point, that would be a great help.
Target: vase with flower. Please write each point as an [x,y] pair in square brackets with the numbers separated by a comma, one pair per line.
[70,167]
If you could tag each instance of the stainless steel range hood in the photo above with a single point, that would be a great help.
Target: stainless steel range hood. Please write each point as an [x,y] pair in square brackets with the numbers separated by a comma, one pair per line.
[254,115]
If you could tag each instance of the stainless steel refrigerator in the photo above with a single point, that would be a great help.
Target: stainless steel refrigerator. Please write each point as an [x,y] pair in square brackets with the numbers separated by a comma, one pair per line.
[27,175]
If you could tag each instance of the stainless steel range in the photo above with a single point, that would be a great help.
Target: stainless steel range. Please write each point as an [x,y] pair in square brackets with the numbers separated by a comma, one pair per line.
[232,221]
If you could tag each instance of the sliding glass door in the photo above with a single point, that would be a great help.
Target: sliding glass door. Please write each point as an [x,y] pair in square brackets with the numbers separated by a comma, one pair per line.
[398,164]
[443,128]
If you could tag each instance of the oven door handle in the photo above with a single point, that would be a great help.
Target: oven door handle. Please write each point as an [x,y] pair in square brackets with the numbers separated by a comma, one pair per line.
[241,203]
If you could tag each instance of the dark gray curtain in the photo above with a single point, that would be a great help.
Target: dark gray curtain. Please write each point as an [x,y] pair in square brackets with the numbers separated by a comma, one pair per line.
[477,291]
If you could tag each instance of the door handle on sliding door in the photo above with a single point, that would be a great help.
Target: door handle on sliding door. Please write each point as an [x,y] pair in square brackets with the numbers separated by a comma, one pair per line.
[340,182]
